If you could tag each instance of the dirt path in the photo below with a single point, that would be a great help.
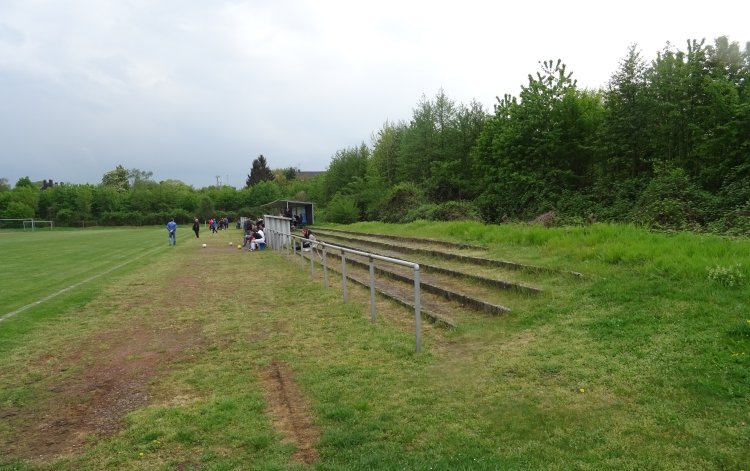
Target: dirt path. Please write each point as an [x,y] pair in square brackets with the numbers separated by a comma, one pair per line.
[290,412]
[85,393]
[116,369]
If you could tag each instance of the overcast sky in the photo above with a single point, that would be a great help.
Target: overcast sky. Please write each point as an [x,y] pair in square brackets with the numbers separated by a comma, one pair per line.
[195,89]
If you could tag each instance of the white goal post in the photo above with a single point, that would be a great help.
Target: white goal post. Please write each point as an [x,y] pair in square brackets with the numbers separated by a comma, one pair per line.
[26,223]
[33,223]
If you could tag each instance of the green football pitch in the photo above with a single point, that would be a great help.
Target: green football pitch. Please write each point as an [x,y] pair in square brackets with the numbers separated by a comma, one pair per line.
[44,270]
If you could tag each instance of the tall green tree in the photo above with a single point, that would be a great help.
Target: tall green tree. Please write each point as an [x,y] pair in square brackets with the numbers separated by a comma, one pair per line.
[137,176]
[434,149]
[205,208]
[539,147]
[723,150]
[260,194]
[625,127]
[346,165]
[106,199]
[385,153]
[418,144]
[259,172]
[117,179]
[25,182]
[462,181]
[84,200]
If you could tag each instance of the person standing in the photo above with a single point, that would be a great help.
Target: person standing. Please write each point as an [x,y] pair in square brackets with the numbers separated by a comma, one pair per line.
[196,228]
[172,229]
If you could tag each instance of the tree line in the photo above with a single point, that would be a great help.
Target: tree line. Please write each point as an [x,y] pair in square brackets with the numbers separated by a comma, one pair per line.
[665,143]
[131,197]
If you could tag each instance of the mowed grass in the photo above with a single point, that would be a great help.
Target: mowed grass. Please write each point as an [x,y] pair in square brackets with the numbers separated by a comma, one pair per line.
[642,364]
[40,264]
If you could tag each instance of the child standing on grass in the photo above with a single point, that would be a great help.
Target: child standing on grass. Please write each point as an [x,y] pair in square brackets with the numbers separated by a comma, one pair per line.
[172,229]
[196,227]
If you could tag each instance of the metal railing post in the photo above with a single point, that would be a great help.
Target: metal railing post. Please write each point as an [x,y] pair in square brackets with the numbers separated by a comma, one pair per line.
[417,310]
[292,240]
[343,273]
[372,289]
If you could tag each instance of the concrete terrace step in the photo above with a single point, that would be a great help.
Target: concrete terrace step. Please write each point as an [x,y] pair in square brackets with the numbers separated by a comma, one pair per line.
[491,282]
[444,243]
[367,239]
[428,285]
[393,251]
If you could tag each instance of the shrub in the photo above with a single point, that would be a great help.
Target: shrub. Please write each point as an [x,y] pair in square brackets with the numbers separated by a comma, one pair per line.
[342,209]
[456,211]
[400,200]
[246,212]
[113,218]
[672,201]
[448,211]
[64,217]
[424,212]
[18,210]
[735,222]
[121,218]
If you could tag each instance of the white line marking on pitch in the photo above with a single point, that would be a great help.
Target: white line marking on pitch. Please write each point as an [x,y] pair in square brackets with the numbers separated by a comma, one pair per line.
[73,286]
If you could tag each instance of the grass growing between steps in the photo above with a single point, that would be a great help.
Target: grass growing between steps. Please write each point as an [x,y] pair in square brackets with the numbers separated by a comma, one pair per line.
[642,364]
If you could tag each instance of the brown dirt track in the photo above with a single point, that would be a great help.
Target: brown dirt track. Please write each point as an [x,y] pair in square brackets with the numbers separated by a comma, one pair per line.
[113,373]
[290,412]
[82,395]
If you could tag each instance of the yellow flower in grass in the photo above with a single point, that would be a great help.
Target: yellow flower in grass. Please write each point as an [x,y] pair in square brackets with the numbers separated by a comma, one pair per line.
[581,390]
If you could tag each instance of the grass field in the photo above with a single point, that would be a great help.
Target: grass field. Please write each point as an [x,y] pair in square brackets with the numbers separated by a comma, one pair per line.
[191,358]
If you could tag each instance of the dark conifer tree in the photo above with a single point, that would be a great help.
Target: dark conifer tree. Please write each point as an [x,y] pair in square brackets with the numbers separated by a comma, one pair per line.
[259,173]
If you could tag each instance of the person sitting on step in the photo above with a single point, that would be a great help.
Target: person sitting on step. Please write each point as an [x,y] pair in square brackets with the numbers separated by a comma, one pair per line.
[307,244]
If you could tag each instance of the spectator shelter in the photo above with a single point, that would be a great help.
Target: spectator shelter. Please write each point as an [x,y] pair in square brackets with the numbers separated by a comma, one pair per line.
[288,208]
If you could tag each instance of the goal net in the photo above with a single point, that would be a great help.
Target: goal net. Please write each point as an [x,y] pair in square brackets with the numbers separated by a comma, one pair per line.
[26,224]
[35,224]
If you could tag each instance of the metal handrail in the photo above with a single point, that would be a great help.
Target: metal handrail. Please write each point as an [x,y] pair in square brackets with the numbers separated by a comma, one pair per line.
[280,240]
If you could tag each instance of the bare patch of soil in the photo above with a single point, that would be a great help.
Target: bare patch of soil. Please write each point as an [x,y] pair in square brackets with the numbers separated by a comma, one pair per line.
[289,411]
[114,381]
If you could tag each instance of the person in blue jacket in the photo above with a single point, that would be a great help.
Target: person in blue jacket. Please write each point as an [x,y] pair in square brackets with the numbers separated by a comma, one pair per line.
[172,229]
